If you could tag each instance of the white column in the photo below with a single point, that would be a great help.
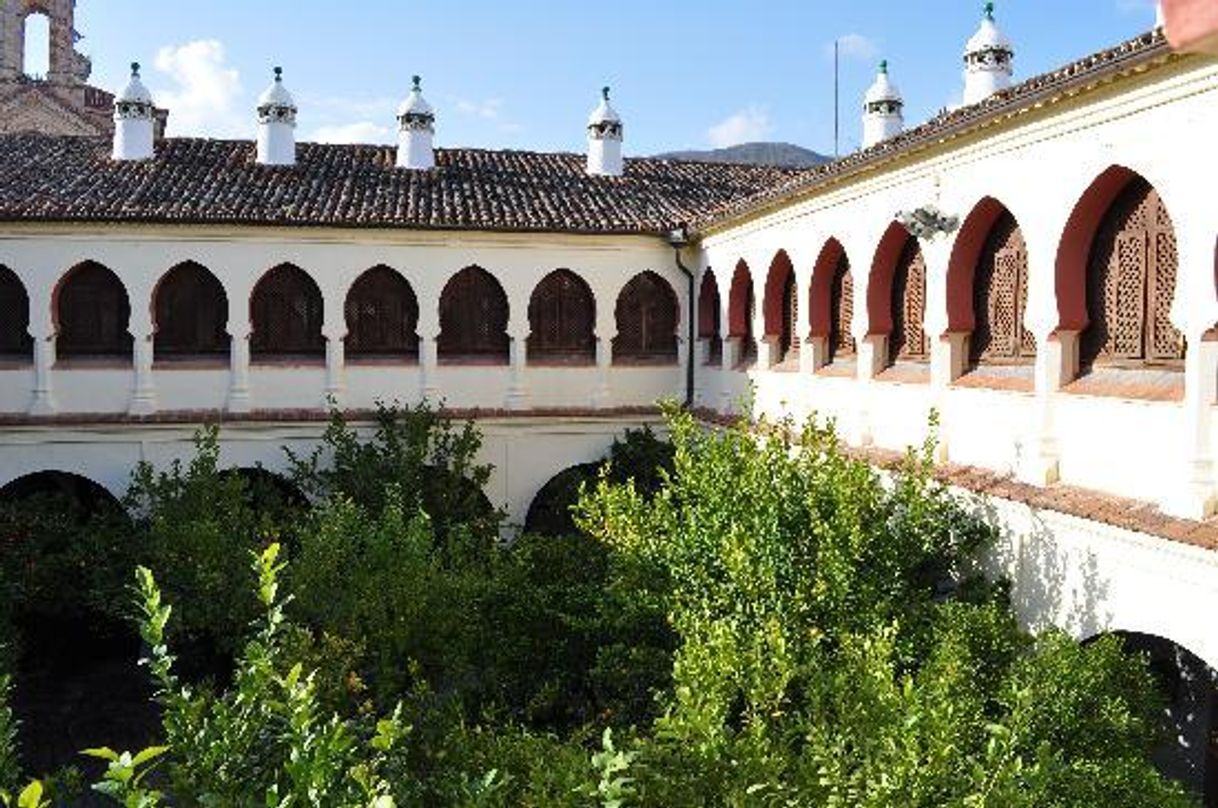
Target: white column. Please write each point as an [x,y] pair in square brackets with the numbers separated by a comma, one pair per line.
[336,382]
[429,358]
[1056,354]
[946,362]
[1195,314]
[43,399]
[518,391]
[143,387]
[602,393]
[43,331]
[1038,453]
[239,368]
[701,369]
[1193,497]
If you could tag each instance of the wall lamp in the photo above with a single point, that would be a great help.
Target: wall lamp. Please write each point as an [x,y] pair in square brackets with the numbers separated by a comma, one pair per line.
[928,221]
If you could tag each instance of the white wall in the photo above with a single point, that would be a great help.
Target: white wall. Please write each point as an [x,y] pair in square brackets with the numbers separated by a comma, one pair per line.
[1158,123]
[140,256]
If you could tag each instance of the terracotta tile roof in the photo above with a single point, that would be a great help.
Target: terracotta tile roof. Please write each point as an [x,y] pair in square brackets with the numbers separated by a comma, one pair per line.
[58,179]
[1073,78]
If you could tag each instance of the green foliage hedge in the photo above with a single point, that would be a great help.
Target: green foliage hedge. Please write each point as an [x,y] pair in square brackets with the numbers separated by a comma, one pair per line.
[742,618]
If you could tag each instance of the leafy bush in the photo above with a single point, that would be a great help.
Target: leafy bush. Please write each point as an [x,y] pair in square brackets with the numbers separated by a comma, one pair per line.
[265,740]
[196,525]
[835,650]
[638,455]
[742,619]
[415,456]
[10,768]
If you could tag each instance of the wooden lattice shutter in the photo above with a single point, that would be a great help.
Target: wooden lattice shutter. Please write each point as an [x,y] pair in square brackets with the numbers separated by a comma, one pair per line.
[841,339]
[93,314]
[382,315]
[286,310]
[562,318]
[473,316]
[748,342]
[709,319]
[191,314]
[1000,297]
[788,338]
[646,316]
[909,305]
[15,339]
[1164,340]
[1131,282]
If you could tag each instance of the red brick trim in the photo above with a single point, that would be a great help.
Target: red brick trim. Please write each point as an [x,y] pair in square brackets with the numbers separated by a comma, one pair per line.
[287,416]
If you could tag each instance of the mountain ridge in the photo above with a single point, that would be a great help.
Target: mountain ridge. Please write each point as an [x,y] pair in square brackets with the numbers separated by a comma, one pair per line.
[785,155]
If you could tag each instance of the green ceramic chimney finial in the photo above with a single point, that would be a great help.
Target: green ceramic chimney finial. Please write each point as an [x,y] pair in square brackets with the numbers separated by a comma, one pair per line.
[278,74]
[989,11]
[884,67]
[135,70]
[605,93]
[417,84]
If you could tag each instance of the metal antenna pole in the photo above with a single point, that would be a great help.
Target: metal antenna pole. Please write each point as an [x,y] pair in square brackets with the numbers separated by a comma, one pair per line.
[836,104]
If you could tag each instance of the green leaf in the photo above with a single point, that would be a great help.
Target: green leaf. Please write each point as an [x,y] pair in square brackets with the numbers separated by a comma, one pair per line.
[148,754]
[31,796]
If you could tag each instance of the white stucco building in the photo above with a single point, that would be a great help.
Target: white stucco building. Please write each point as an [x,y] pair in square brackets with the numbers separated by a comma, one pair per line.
[1038,267]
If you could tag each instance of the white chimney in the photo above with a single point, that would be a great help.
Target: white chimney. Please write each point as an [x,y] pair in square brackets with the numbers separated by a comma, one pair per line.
[134,120]
[276,124]
[882,110]
[987,60]
[416,130]
[605,140]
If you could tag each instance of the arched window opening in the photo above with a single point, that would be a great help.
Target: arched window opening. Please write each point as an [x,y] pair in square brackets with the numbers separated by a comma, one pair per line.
[1131,281]
[907,341]
[37,45]
[708,319]
[191,311]
[562,320]
[551,511]
[782,309]
[382,317]
[15,341]
[286,311]
[841,337]
[742,309]
[473,318]
[788,336]
[646,317]
[1000,298]
[92,314]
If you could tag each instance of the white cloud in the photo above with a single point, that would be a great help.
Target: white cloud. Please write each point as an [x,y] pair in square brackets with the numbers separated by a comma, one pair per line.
[854,46]
[204,100]
[745,126]
[360,132]
[488,108]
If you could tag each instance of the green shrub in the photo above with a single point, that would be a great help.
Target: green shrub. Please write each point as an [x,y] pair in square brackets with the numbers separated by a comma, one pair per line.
[833,648]
[417,456]
[10,765]
[196,525]
[265,740]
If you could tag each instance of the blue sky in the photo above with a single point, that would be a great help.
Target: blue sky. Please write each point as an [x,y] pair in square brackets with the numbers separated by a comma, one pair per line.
[525,73]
